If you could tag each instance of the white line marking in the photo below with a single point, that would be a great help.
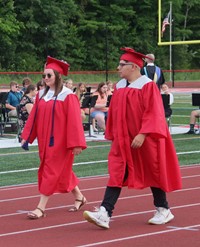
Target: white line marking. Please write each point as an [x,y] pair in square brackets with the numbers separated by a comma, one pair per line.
[78,222]
[132,237]
[81,163]
[9,187]
[42,228]
[92,189]
[183,228]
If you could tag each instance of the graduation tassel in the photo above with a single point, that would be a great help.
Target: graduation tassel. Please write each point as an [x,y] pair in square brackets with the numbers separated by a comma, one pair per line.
[51,141]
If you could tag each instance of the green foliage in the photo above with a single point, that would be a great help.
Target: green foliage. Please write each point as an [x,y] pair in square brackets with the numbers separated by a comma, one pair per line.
[9,31]
[89,33]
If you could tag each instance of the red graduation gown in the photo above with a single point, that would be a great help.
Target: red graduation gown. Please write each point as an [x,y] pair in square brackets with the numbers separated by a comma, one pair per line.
[133,110]
[55,172]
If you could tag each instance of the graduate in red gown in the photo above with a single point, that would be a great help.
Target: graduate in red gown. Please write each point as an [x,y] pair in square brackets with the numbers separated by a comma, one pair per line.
[55,121]
[142,152]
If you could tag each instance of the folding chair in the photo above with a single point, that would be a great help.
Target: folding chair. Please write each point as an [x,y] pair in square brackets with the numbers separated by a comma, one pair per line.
[3,97]
[167,108]
[19,130]
[196,102]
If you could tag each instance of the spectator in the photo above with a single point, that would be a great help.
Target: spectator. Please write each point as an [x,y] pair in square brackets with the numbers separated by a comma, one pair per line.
[110,87]
[142,152]
[99,112]
[81,90]
[55,121]
[25,107]
[152,71]
[25,83]
[165,90]
[13,99]
[40,85]
[194,114]
[69,84]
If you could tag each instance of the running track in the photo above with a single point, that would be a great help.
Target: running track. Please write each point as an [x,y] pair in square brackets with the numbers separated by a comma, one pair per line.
[128,226]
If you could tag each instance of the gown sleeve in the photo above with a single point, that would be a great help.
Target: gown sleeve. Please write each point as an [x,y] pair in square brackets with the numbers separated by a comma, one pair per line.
[75,132]
[153,119]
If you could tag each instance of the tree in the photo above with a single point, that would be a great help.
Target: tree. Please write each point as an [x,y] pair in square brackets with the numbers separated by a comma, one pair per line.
[89,33]
[9,33]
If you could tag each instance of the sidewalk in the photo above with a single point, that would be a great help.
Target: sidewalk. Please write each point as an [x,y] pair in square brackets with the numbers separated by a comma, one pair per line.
[9,143]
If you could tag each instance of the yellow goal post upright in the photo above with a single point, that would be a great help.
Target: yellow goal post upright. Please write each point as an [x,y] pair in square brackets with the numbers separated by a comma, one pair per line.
[185,42]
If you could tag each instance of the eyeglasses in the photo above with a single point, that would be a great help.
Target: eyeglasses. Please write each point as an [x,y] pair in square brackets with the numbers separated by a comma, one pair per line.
[16,86]
[48,76]
[124,64]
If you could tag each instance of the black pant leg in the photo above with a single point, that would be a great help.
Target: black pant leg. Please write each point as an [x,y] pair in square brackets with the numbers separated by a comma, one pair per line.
[110,198]
[159,197]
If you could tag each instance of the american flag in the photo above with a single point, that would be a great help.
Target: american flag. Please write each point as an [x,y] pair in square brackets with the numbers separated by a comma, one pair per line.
[165,22]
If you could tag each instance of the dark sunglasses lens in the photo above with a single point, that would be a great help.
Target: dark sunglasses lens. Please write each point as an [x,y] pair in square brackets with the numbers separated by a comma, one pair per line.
[44,76]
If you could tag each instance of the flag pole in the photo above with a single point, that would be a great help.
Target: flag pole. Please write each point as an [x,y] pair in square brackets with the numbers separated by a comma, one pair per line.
[170,38]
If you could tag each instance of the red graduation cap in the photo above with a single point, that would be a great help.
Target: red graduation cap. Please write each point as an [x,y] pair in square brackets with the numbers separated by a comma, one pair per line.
[131,55]
[59,65]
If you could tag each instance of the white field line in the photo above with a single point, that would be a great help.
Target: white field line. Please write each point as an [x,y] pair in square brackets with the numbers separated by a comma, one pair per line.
[75,164]
[31,152]
[138,236]
[117,216]
[10,187]
[99,146]
[84,163]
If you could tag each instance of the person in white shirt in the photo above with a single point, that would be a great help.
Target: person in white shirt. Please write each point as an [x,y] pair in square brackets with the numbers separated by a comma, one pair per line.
[165,90]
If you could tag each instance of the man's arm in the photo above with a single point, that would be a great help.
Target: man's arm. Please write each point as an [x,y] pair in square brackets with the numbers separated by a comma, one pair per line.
[10,107]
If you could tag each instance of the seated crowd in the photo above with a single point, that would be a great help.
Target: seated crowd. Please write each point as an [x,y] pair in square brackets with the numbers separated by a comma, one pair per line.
[20,102]
[24,99]
[97,109]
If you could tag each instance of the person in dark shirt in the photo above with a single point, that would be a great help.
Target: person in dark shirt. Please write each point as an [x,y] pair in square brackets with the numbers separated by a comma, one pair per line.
[152,71]
[13,99]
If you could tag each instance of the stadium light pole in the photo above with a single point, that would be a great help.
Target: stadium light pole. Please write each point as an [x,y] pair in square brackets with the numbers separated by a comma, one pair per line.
[106,50]
[107,4]
[46,37]
[170,39]
[173,72]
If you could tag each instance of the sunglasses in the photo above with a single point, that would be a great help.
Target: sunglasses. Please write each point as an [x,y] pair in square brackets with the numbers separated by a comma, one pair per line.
[48,76]
[124,64]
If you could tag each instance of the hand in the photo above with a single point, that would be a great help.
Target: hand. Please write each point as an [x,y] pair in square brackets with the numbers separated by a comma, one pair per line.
[22,142]
[77,151]
[138,141]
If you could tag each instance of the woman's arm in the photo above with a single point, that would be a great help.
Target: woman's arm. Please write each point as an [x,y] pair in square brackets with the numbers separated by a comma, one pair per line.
[29,107]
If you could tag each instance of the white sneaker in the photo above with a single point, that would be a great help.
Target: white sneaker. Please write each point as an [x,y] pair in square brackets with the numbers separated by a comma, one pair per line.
[99,218]
[161,216]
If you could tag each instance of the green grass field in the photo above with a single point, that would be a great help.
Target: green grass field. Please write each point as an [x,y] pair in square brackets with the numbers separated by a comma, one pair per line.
[20,167]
